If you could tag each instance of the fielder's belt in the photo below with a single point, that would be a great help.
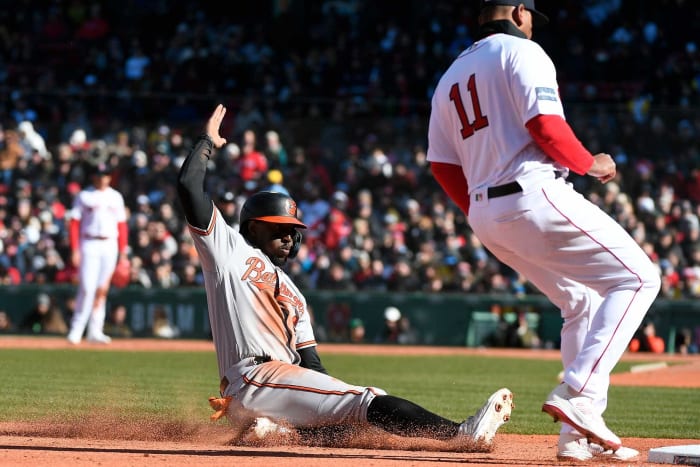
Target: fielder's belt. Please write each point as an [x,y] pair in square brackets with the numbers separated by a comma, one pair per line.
[509,188]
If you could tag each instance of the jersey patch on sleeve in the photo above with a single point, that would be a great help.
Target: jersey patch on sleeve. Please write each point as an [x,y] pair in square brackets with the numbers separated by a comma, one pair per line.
[546,94]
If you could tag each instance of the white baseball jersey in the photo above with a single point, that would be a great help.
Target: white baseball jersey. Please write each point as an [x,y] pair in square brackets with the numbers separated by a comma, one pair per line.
[99,212]
[499,83]
[571,250]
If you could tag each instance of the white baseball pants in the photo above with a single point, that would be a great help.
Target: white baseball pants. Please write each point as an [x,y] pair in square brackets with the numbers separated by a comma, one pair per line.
[584,262]
[98,259]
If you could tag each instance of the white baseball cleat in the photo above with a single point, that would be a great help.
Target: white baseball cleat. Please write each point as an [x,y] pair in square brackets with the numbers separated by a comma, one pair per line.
[621,454]
[482,426]
[573,446]
[563,404]
[100,339]
[73,339]
[263,427]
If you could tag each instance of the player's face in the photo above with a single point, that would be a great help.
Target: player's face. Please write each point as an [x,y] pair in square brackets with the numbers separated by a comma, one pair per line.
[275,240]
[101,181]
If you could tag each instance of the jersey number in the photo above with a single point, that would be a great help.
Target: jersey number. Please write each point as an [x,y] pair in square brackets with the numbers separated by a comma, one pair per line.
[480,120]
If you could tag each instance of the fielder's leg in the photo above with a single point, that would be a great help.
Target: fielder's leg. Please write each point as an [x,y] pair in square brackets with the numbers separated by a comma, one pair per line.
[85,297]
[107,263]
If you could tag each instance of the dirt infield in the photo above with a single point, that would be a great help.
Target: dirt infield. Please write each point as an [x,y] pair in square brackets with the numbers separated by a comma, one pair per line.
[57,445]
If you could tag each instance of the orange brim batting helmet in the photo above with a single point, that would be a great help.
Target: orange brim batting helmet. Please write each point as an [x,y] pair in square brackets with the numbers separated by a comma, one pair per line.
[270,206]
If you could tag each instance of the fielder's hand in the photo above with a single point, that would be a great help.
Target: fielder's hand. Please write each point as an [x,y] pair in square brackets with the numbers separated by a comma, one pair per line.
[214,124]
[603,168]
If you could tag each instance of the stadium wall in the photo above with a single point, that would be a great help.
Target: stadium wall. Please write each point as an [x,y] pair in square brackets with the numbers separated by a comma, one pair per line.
[437,319]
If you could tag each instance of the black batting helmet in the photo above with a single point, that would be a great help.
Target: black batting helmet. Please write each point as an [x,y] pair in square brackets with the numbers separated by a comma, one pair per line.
[277,208]
[270,206]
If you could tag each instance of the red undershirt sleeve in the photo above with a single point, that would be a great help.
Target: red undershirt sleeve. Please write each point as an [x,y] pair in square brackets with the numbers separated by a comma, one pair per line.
[451,179]
[123,236]
[556,138]
[74,234]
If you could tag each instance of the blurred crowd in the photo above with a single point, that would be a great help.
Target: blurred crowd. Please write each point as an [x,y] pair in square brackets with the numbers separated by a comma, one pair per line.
[327,100]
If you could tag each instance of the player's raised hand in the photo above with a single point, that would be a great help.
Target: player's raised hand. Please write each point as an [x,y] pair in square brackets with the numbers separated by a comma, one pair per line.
[603,168]
[213,125]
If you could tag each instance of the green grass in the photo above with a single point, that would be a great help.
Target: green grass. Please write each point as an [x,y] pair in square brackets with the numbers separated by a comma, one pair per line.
[175,386]
[68,383]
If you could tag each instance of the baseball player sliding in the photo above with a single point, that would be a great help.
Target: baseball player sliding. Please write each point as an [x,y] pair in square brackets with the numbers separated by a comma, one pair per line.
[265,346]
[500,148]
[98,235]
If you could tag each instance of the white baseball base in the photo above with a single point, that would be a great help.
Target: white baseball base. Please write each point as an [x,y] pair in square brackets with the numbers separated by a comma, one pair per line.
[688,454]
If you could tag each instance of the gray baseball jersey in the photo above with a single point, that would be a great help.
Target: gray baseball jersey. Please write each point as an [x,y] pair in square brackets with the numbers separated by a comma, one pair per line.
[259,320]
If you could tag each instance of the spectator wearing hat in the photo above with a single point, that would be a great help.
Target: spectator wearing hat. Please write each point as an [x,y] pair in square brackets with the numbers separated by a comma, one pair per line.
[391,330]
[44,318]
[229,208]
[397,328]
[356,331]
[162,325]
[275,178]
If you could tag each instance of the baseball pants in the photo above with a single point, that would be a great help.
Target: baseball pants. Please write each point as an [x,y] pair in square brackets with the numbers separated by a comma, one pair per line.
[97,263]
[297,395]
[584,262]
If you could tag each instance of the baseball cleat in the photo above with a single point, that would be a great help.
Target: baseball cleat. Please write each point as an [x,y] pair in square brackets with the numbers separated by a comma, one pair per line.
[563,405]
[576,447]
[75,340]
[621,454]
[482,426]
[100,339]
[263,427]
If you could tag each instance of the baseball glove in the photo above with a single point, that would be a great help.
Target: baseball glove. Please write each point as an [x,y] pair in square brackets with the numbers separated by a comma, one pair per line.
[220,406]
[122,274]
